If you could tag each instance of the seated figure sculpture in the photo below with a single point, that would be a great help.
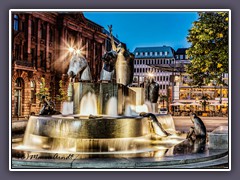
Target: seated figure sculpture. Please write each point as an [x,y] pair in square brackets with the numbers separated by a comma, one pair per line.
[47,107]
[199,129]
[78,68]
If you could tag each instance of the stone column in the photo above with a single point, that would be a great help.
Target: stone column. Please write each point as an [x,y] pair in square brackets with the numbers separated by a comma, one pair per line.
[87,49]
[47,49]
[94,59]
[29,38]
[22,50]
[38,44]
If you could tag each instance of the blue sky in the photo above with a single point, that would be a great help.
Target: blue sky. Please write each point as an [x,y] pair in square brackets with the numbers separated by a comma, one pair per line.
[139,29]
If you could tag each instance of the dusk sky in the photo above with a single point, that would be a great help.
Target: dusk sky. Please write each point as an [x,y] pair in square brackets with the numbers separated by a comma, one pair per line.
[139,29]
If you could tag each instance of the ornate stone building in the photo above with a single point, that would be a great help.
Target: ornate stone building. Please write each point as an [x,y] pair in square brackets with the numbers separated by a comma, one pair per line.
[40,42]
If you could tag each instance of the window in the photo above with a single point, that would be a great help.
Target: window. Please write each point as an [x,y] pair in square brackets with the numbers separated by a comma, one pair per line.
[160,53]
[166,53]
[50,61]
[51,35]
[18,92]
[42,62]
[33,92]
[136,53]
[33,55]
[43,32]
[23,26]
[151,53]
[156,53]
[33,28]
[16,23]
[163,78]
[164,86]
[176,56]
[17,52]
[166,78]
[181,56]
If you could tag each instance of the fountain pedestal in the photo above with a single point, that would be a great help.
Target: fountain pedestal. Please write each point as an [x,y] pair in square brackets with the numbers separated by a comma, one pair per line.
[103,92]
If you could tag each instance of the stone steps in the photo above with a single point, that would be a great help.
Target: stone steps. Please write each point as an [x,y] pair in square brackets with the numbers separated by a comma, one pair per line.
[216,159]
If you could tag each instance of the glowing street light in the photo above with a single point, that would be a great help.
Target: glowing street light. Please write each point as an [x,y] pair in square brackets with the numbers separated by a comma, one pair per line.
[71,49]
[150,75]
[78,51]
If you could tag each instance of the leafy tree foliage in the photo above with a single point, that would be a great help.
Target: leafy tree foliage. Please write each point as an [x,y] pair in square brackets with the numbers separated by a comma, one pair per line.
[62,96]
[209,48]
[44,91]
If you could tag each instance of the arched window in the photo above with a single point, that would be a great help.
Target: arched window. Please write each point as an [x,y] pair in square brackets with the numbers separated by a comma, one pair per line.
[18,93]
[16,23]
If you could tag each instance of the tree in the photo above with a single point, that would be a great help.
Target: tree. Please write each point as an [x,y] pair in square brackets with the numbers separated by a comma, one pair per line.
[209,48]
[62,93]
[44,91]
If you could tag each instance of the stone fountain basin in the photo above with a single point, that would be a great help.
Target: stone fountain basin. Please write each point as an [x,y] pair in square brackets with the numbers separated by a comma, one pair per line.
[88,133]
[83,127]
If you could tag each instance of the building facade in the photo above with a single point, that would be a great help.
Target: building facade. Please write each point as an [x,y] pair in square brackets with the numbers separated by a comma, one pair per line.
[145,57]
[215,96]
[40,42]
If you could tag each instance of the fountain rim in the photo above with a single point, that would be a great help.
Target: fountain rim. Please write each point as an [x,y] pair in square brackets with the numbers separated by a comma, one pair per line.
[91,117]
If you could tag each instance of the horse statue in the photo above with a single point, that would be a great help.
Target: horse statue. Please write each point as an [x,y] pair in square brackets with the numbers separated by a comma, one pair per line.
[78,68]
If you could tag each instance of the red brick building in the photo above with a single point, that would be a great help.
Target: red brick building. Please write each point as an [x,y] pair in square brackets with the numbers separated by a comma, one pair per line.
[39,49]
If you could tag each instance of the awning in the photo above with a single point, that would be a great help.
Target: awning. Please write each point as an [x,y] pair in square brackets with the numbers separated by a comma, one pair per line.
[177,104]
[195,104]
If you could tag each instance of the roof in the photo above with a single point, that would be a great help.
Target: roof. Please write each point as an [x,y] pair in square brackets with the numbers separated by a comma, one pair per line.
[154,52]
[181,51]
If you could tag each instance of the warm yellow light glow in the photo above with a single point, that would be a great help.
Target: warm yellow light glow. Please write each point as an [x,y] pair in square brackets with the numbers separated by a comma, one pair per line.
[78,51]
[150,75]
[70,49]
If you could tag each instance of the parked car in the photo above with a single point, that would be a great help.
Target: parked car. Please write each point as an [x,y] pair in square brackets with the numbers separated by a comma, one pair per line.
[163,111]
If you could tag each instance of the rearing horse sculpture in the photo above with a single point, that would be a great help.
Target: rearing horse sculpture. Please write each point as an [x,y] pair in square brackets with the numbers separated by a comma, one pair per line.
[78,68]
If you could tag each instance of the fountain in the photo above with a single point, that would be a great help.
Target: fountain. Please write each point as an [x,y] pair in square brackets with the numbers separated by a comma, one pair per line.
[101,119]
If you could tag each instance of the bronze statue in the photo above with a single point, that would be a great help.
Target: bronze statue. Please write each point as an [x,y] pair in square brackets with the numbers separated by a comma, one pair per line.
[48,107]
[199,129]
[109,59]
[154,120]
[118,62]
[151,93]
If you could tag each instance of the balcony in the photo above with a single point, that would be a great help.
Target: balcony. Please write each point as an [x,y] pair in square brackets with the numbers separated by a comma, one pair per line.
[23,64]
